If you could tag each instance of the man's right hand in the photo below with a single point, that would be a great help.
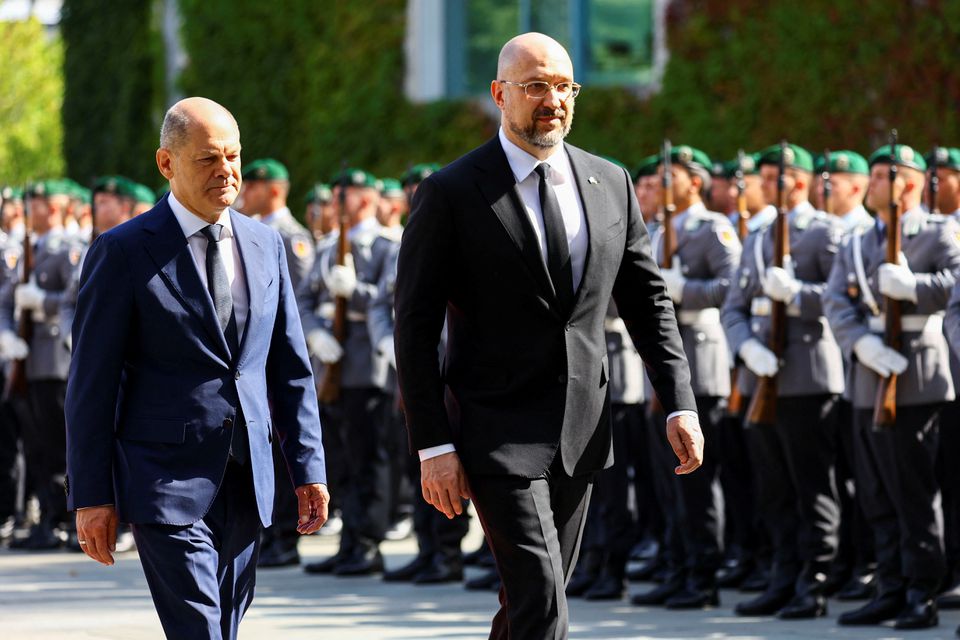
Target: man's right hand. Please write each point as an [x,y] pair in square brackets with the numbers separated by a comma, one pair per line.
[444,482]
[760,360]
[12,346]
[324,346]
[97,532]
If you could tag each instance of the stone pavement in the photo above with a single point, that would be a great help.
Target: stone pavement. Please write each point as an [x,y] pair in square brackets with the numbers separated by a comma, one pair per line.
[57,595]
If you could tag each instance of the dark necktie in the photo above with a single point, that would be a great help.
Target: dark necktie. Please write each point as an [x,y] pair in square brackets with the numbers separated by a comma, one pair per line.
[558,251]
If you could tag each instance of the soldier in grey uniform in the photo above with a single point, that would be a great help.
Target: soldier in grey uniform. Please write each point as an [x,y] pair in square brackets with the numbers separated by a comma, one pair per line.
[48,360]
[11,464]
[895,466]
[320,214]
[707,254]
[266,184]
[358,414]
[948,473]
[793,459]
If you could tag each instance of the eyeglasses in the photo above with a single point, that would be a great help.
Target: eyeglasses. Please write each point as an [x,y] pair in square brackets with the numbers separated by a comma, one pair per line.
[538,89]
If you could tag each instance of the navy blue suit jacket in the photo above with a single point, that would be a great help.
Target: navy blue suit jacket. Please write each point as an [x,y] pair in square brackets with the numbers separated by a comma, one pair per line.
[154,392]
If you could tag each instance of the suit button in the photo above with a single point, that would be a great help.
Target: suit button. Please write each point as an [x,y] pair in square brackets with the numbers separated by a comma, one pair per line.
[562,378]
[227,423]
[568,327]
[236,376]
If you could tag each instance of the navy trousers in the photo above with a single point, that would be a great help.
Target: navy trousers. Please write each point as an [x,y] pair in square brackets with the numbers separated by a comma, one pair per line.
[202,575]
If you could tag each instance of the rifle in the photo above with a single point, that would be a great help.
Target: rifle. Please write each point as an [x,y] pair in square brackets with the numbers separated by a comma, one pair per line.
[669,237]
[763,405]
[16,386]
[885,405]
[735,400]
[827,183]
[932,204]
[329,390]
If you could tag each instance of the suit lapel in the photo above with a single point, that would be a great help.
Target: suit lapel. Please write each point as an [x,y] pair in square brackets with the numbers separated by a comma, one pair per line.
[255,273]
[499,187]
[170,251]
[593,198]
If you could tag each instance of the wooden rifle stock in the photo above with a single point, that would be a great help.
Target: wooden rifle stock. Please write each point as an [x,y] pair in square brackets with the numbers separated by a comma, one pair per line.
[763,405]
[668,236]
[885,405]
[329,388]
[735,400]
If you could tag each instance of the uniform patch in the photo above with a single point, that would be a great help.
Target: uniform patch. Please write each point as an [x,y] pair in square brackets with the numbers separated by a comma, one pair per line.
[956,239]
[300,248]
[11,257]
[727,237]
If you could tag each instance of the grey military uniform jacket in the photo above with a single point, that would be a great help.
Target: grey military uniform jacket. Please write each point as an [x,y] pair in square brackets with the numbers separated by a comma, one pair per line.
[297,244]
[54,264]
[953,342]
[626,378]
[933,254]
[708,250]
[362,366]
[812,362]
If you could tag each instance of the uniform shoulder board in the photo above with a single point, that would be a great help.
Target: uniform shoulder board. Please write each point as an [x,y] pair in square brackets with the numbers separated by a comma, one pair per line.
[692,223]
[803,220]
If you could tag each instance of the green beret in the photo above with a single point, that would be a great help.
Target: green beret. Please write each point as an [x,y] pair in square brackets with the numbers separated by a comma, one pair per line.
[796,157]
[418,173]
[647,167]
[845,161]
[266,169]
[143,193]
[391,188]
[687,156]
[117,185]
[354,178]
[11,194]
[319,194]
[906,157]
[83,194]
[947,157]
[48,188]
[750,166]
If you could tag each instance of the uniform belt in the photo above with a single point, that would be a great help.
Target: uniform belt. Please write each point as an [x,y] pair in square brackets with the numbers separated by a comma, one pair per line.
[328,309]
[762,307]
[912,323]
[710,315]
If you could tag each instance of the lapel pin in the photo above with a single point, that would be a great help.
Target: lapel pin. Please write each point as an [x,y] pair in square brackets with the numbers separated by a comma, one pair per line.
[593,180]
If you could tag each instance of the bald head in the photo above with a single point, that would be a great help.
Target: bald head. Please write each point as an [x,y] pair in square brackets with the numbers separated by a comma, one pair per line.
[529,51]
[189,113]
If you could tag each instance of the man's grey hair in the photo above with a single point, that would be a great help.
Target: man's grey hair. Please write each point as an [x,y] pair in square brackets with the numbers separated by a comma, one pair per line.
[173,132]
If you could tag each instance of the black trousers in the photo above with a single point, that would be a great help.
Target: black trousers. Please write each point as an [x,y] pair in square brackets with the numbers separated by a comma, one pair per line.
[693,502]
[10,481]
[45,449]
[744,529]
[533,527]
[856,540]
[899,494]
[794,462]
[948,477]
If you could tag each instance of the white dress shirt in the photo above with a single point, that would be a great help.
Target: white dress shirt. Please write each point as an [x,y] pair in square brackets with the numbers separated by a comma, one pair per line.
[522,165]
[192,225]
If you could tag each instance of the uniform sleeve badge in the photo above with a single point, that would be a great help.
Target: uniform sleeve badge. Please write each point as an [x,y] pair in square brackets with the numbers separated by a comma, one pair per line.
[727,237]
[11,257]
[300,248]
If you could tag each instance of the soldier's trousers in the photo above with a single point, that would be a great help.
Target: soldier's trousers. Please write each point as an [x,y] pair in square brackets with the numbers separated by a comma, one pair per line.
[45,448]
[744,529]
[948,476]
[9,450]
[897,488]
[693,503]
[856,539]
[794,461]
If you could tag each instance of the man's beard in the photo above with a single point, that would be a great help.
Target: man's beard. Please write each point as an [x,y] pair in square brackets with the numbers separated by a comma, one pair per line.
[548,139]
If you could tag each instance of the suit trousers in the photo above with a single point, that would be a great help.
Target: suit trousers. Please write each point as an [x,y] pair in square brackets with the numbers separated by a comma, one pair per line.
[534,527]
[282,534]
[202,575]
[794,461]
[897,488]
[438,537]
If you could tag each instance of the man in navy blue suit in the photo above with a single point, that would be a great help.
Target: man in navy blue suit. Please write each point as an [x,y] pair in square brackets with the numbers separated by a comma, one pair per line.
[188,359]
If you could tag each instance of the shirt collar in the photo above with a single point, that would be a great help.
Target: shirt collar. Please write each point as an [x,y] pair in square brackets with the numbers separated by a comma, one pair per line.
[764,217]
[365,225]
[854,218]
[522,163]
[803,207]
[192,223]
[698,209]
[282,212]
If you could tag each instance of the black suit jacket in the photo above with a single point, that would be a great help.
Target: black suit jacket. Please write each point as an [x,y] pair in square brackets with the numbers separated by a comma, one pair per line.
[521,378]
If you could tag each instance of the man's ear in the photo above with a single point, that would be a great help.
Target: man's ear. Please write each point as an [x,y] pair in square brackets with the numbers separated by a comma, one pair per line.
[165,163]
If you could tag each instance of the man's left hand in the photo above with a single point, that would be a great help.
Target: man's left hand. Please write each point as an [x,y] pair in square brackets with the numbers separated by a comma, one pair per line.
[313,502]
[686,438]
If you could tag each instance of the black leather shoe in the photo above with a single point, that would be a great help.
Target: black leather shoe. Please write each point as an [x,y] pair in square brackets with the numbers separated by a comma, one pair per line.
[768,603]
[949,599]
[439,572]
[489,581]
[580,581]
[657,596]
[646,549]
[920,612]
[687,599]
[836,581]
[361,563]
[277,557]
[733,575]
[644,571]
[40,539]
[876,611]
[327,565]
[757,581]
[409,571]
[606,587]
[804,607]
[861,587]
[481,557]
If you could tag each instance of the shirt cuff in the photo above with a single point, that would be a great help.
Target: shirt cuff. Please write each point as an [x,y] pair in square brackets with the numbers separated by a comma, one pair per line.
[685,412]
[96,506]
[433,452]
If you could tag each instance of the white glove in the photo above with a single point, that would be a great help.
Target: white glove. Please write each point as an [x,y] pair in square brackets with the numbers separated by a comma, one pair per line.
[673,278]
[779,285]
[386,350]
[12,346]
[758,358]
[872,353]
[28,297]
[342,280]
[324,346]
[897,281]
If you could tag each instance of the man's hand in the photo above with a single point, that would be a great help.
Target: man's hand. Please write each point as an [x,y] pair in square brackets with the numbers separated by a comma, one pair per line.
[779,285]
[684,435]
[675,281]
[760,360]
[324,346]
[12,346]
[313,503]
[97,532]
[444,482]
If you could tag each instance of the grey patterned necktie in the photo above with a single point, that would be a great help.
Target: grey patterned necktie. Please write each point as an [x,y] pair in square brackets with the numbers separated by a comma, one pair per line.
[219,285]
